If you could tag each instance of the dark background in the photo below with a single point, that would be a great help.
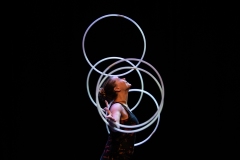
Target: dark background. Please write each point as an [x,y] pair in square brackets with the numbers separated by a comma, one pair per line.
[192,45]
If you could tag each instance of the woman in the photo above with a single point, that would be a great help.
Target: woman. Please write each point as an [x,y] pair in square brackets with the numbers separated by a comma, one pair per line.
[120,146]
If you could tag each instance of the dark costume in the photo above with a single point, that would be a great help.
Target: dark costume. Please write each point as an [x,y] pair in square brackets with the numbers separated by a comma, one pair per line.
[120,146]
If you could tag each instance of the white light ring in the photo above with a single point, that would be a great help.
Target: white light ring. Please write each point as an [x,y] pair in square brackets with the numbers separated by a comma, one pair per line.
[89,73]
[146,72]
[111,15]
[102,114]
[145,140]
[161,89]
[126,126]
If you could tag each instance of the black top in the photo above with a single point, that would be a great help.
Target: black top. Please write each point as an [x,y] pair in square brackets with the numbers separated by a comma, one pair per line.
[120,146]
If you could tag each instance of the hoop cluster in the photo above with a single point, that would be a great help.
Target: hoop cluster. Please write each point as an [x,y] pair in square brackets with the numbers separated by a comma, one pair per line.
[104,74]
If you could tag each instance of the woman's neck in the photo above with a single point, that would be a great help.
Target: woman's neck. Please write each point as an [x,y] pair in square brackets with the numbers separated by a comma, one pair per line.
[122,98]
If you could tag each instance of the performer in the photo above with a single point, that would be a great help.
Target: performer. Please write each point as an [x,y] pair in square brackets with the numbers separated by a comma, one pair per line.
[119,146]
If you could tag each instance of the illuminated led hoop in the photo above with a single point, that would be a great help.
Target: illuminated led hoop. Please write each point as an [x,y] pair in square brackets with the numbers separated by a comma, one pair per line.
[102,114]
[143,141]
[131,67]
[160,106]
[112,15]
[89,73]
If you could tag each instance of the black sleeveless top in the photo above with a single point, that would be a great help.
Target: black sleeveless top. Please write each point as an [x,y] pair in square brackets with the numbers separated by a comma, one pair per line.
[120,146]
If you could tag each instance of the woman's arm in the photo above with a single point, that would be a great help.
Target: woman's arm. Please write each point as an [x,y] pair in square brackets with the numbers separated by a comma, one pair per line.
[114,115]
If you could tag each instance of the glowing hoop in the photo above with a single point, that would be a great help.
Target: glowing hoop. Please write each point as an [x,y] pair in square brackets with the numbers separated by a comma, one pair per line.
[105,16]
[89,73]
[153,118]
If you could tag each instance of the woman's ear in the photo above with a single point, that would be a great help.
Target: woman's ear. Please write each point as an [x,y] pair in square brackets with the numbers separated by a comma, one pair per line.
[117,89]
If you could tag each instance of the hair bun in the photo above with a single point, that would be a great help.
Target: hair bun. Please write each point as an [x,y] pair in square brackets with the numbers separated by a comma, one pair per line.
[102,92]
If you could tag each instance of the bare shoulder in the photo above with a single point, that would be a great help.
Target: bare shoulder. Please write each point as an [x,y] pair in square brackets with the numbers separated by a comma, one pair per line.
[116,107]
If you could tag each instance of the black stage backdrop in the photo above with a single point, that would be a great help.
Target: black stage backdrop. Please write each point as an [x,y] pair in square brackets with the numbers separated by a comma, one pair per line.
[192,46]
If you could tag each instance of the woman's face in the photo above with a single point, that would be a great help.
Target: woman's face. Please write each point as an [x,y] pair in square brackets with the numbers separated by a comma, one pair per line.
[121,83]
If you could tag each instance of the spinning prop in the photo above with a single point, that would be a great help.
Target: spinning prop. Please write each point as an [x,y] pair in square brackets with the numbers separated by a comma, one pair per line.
[132,67]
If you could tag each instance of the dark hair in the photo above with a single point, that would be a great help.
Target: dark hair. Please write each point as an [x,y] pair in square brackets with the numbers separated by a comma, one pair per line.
[106,92]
